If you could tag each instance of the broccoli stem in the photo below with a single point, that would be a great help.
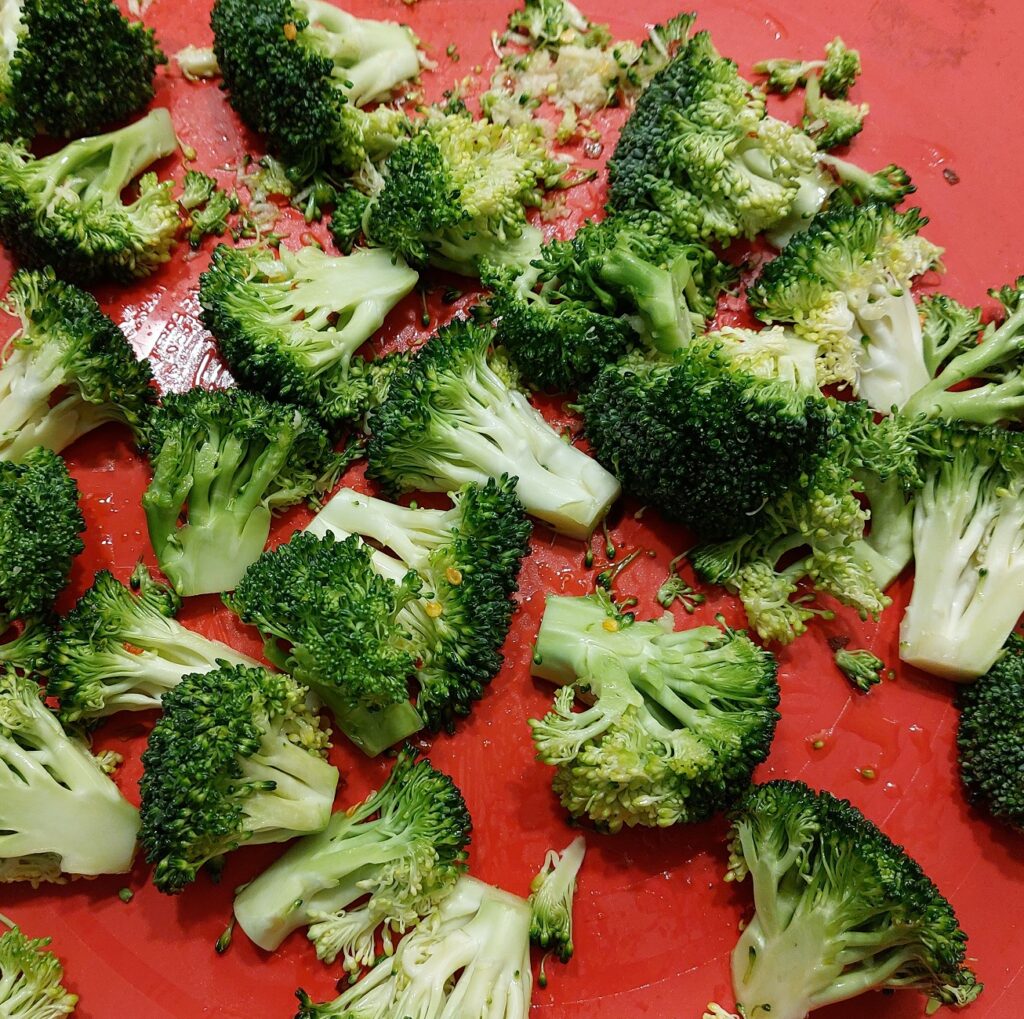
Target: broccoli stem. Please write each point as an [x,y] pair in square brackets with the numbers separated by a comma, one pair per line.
[889,546]
[372,731]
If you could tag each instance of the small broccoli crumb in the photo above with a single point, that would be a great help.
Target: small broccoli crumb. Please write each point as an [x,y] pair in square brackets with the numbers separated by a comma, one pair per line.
[126,895]
[860,667]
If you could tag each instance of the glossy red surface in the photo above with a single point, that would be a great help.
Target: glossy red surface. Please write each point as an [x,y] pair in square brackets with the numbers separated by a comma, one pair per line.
[655,921]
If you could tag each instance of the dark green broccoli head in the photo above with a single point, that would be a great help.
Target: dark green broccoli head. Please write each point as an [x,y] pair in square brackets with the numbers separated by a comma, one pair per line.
[40,523]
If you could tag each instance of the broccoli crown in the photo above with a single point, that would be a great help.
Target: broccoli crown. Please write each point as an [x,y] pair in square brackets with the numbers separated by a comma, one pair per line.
[860,667]
[703,440]
[385,862]
[990,737]
[236,756]
[551,896]
[79,65]
[288,327]
[40,523]
[456,416]
[68,369]
[841,909]
[678,721]
[30,979]
[224,460]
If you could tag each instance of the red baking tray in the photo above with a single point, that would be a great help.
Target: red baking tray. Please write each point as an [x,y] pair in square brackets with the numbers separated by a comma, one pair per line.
[655,920]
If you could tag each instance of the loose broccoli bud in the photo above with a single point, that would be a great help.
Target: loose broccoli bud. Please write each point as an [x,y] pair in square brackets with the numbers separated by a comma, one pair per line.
[677,723]
[384,863]
[62,814]
[551,895]
[296,71]
[456,417]
[471,958]
[845,285]
[121,649]
[40,523]
[197,189]
[831,122]
[860,667]
[223,461]
[675,589]
[704,438]
[841,909]
[969,549]
[31,979]
[236,757]
[67,370]
[990,737]
[76,66]
[289,327]
[339,619]
[197,63]
[836,73]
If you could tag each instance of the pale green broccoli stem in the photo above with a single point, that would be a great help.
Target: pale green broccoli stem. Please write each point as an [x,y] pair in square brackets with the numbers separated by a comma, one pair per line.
[461,249]
[811,195]
[551,898]
[373,731]
[889,546]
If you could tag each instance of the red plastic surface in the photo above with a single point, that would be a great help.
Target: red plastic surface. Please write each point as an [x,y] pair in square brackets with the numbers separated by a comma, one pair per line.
[655,921]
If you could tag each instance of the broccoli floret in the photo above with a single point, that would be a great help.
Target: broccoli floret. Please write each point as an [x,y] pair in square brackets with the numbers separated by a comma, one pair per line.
[845,285]
[676,722]
[62,814]
[675,589]
[890,185]
[40,523]
[223,461]
[381,864]
[860,667]
[468,560]
[705,437]
[67,370]
[990,737]
[28,650]
[70,67]
[208,207]
[30,979]
[289,327]
[346,224]
[831,122]
[641,63]
[840,909]
[332,621]
[551,896]
[471,958]
[968,589]
[197,189]
[456,416]
[121,649]
[298,71]
[237,757]
[552,23]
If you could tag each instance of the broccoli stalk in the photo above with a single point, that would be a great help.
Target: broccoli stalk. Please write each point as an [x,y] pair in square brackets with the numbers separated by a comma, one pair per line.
[62,814]
[551,896]
[31,979]
[471,959]
[384,863]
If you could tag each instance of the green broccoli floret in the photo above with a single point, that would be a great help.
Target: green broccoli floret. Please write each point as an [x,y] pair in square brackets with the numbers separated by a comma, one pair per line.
[382,864]
[68,368]
[551,895]
[197,190]
[676,722]
[28,650]
[456,416]
[30,979]
[552,23]
[62,815]
[468,560]
[968,589]
[472,957]
[860,667]
[289,327]
[990,737]
[641,63]
[840,909]
[845,285]
[346,224]
[121,649]
[237,757]
[831,122]
[70,67]
[298,71]
[890,185]
[706,437]
[40,523]
[223,461]
[675,589]
[207,205]
[332,621]
[66,210]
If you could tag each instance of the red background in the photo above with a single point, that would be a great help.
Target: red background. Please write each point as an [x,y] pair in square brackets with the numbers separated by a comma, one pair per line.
[655,922]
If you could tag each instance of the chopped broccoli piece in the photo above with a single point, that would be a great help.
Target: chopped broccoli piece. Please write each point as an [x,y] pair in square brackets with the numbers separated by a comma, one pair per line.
[948,328]
[384,863]
[223,461]
[31,979]
[890,185]
[551,896]
[211,220]
[860,667]
[62,815]
[197,63]
[197,190]
[121,649]
[831,122]
[289,327]
[237,757]
[67,370]
[840,909]
[28,651]
[675,589]
[456,416]
[641,63]
[990,737]
[835,74]
[676,722]
[552,23]
[471,958]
